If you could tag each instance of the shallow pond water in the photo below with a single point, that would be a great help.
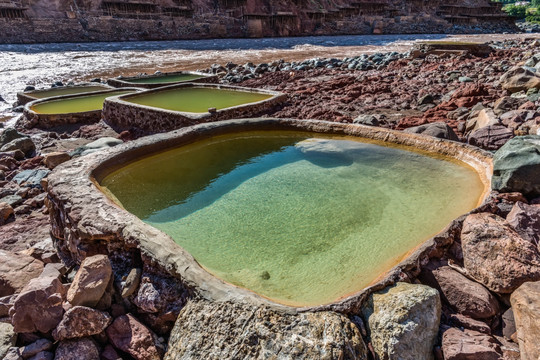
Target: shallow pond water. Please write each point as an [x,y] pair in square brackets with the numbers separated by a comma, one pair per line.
[76,104]
[164,79]
[196,99]
[300,218]
[68,90]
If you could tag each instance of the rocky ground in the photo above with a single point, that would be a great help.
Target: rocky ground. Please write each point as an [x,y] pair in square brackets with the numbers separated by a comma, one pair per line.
[478,300]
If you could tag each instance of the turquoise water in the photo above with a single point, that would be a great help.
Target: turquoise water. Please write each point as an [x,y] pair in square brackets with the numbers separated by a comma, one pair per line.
[299,218]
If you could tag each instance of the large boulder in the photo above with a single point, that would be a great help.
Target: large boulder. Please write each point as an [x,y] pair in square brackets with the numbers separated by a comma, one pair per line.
[77,349]
[469,345]
[516,166]
[7,338]
[39,305]
[81,321]
[490,137]
[25,144]
[16,271]
[91,281]
[495,255]
[212,330]
[526,307]
[127,334]
[437,129]
[403,321]
[518,79]
[525,219]
[483,118]
[465,296]
[507,103]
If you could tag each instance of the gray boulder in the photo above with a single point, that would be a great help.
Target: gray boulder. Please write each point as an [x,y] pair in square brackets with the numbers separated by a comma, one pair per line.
[516,166]
[370,120]
[403,321]
[439,130]
[99,144]
[25,144]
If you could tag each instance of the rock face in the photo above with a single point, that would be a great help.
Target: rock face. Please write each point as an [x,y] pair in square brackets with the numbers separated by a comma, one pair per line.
[404,321]
[127,334]
[526,307]
[495,255]
[39,306]
[465,296]
[525,219]
[7,338]
[241,331]
[91,281]
[80,349]
[469,345]
[81,321]
[16,271]
[516,166]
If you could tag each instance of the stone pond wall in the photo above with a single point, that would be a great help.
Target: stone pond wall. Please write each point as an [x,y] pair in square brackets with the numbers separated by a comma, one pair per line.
[217,320]
[28,21]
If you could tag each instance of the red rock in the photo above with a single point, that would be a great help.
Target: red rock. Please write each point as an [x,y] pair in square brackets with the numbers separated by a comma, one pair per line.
[463,321]
[469,345]
[79,349]
[16,271]
[529,105]
[495,255]
[127,334]
[513,119]
[39,306]
[466,296]
[109,353]
[5,212]
[470,90]
[81,321]
[525,219]
[490,137]
[91,281]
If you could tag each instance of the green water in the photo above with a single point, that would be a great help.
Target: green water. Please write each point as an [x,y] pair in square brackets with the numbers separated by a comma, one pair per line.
[163,79]
[197,99]
[299,218]
[76,104]
[69,90]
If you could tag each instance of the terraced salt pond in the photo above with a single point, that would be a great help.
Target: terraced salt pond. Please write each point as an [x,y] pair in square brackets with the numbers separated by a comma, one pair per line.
[300,218]
[77,104]
[197,99]
[165,79]
[66,90]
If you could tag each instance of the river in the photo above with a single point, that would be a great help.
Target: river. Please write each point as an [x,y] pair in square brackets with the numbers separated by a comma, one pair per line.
[42,64]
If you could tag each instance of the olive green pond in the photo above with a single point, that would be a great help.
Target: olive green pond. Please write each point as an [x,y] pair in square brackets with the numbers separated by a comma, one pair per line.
[77,104]
[163,79]
[300,218]
[68,90]
[196,99]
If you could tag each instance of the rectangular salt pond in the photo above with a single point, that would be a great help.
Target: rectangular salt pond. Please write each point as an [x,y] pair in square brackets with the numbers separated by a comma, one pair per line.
[196,99]
[163,79]
[76,104]
[300,218]
[67,90]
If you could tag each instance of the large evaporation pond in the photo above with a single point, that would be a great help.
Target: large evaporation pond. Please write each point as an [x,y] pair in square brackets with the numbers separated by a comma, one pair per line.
[68,90]
[300,218]
[197,99]
[76,104]
[163,79]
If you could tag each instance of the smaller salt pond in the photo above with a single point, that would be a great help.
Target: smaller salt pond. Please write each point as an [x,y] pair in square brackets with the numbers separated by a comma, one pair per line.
[66,90]
[164,79]
[76,104]
[301,218]
[196,99]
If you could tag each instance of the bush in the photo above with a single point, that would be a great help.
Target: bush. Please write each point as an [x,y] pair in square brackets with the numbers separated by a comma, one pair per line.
[518,11]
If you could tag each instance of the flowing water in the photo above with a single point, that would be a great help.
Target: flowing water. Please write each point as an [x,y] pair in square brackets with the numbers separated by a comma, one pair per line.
[300,218]
[197,99]
[42,64]
[76,104]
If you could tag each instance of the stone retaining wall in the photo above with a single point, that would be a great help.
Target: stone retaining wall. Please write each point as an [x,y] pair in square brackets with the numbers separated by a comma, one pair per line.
[86,222]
